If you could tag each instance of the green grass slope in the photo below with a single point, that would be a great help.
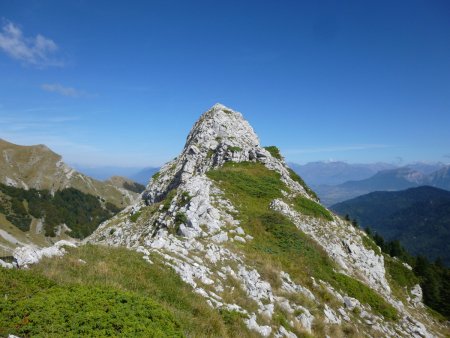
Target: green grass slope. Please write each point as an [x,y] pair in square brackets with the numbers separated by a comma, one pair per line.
[277,243]
[92,292]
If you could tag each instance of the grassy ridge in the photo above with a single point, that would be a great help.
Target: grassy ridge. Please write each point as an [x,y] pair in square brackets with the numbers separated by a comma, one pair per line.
[278,244]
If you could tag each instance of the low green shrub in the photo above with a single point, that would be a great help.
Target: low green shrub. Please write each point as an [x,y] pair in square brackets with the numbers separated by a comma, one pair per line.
[364,294]
[180,218]
[23,222]
[185,198]
[232,316]
[134,217]
[168,199]
[80,311]
[295,177]
[234,149]
[370,244]
[274,151]
[311,208]
[400,273]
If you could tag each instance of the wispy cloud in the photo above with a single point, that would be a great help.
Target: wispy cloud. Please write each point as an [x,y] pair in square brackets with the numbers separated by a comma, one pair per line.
[10,123]
[63,90]
[335,149]
[37,50]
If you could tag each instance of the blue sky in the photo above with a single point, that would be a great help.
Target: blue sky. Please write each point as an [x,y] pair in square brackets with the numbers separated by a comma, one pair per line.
[121,83]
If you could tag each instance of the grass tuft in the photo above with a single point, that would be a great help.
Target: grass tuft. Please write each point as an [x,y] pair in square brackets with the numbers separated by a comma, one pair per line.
[311,208]
[295,177]
[274,151]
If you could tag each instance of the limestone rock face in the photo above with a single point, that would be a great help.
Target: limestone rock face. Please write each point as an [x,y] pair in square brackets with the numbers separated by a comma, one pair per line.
[186,219]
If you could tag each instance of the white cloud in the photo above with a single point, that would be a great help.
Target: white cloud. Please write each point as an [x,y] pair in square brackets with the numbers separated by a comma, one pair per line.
[36,50]
[62,90]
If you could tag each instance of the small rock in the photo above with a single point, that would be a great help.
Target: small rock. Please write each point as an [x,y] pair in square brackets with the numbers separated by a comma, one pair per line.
[239,239]
[350,303]
[282,332]
[240,231]
[251,323]
[306,320]
[220,237]
[330,316]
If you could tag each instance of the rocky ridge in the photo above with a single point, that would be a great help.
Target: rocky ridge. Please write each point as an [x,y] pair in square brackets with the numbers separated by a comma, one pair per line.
[185,219]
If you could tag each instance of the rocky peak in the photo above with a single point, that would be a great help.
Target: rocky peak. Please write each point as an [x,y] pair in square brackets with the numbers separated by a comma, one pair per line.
[222,126]
[220,135]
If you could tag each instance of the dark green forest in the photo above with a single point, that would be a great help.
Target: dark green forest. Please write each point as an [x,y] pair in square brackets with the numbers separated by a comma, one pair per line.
[418,217]
[433,277]
[81,212]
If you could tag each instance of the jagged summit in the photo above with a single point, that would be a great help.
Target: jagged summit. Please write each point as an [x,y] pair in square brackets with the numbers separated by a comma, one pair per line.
[221,124]
[220,135]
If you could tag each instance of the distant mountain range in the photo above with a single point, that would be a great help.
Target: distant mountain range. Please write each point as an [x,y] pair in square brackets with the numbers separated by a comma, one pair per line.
[143,176]
[418,217]
[316,174]
[337,172]
[136,174]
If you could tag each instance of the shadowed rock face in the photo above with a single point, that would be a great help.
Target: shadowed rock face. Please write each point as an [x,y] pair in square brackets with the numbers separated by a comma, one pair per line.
[197,232]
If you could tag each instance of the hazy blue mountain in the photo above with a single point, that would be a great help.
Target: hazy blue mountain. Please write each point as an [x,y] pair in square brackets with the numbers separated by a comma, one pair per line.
[105,172]
[337,172]
[137,174]
[394,179]
[386,180]
[143,176]
[418,217]
[426,168]
[441,178]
